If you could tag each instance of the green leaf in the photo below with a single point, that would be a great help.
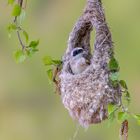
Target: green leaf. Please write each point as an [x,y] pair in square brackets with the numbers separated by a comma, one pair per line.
[50,74]
[122,116]
[19,56]
[22,16]
[26,36]
[111,108]
[113,65]
[137,116]
[123,84]
[48,60]
[11,1]
[34,44]
[128,97]
[31,51]
[115,84]
[111,118]
[16,10]
[11,27]
[57,62]
[114,76]
[32,48]
[111,112]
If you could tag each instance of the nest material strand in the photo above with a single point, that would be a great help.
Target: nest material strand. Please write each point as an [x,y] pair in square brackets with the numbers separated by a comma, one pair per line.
[87,94]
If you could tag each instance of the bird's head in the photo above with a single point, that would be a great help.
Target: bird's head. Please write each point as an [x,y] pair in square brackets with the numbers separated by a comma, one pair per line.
[79,60]
[76,52]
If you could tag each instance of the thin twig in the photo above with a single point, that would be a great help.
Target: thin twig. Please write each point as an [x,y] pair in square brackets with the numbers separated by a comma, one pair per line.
[20,40]
[20,2]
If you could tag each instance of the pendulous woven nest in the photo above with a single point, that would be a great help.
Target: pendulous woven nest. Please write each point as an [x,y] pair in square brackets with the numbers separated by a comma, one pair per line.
[86,95]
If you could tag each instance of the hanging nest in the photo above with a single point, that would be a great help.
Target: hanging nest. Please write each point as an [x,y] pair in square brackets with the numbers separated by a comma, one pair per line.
[87,95]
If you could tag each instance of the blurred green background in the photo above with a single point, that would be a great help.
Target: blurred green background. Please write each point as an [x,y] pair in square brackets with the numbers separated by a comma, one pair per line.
[29,108]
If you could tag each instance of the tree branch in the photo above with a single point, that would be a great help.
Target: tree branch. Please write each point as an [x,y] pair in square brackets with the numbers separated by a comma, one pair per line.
[20,40]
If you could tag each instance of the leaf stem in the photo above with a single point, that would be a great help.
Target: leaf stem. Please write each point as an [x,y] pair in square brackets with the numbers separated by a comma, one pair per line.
[20,2]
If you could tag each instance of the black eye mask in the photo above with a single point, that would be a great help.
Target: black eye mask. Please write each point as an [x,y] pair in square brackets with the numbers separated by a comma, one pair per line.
[76,52]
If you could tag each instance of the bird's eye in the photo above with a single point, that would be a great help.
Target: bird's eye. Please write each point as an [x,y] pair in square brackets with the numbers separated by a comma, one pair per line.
[76,52]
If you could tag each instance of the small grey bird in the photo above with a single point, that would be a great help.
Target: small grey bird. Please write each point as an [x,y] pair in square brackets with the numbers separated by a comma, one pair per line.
[79,61]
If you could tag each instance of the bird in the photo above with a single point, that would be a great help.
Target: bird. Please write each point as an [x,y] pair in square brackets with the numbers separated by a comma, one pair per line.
[79,61]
